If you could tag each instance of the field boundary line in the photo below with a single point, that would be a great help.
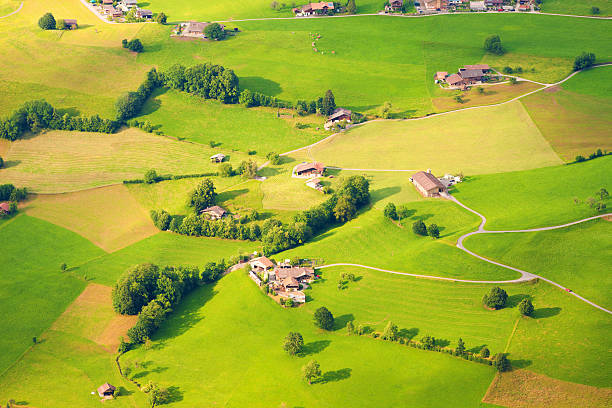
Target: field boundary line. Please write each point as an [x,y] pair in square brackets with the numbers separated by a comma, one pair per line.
[512,334]
[14,12]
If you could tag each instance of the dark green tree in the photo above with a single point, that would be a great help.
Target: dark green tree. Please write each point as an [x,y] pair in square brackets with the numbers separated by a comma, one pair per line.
[63,267]
[293,343]
[390,211]
[328,105]
[460,349]
[433,231]
[419,228]
[248,169]
[226,170]
[47,22]
[351,7]
[428,342]
[496,298]
[135,45]
[501,362]
[203,196]
[150,176]
[594,10]
[323,318]
[485,353]
[161,18]
[345,209]
[584,60]
[391,332]
[602,193]
[214,31]
[350,327]
[493,45]
[1,163]
[526,307]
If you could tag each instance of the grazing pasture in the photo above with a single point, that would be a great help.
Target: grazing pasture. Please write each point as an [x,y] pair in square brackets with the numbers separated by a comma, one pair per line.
[355,369]
[109,216]
[33,287]
[581,8]
[577,257]
[491,94]
[486,140]
[62,161]
[536,198]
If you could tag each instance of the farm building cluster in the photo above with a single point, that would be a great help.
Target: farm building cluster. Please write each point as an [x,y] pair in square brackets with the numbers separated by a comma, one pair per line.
[468,75]
[196,29]
[124,10]
[339,116]
[315,9]
[311,171]
[442,6]
[283,280]
[429,185]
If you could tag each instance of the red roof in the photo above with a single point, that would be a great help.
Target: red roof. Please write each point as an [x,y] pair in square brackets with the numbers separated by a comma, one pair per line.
[310,166]
[5,207]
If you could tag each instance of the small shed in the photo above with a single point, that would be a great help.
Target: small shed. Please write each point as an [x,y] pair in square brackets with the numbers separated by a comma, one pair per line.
[215,212]
[440,75]
[71,23]
[217,158]
[5,208]
[106,390]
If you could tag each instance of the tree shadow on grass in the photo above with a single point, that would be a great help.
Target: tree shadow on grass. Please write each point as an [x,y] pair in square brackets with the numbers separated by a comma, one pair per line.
[11,163]
[314,347]
[340,322]
[520,363]
[442,342]
[514,300]
[72,111]
[262,85]
[231,194]
[408,334]
[152,104]
[333,376]
[383,193]
[545,312]
[123,392]
[476,349]
[174,394]
[146,372]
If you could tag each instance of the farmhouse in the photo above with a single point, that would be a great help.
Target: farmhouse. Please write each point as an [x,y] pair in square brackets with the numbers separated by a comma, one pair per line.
[196,29]
[214,213]
[217,158]
[471,76]
[108,8]
[440,76]
[483,67]
[436,5]
[340,114]
[394,6]
[300,274]
[71,24]
[261,264]
[427,184]
[106,390]
[455,80]
[314,8]
[144,13]
[5,208]
[307,170]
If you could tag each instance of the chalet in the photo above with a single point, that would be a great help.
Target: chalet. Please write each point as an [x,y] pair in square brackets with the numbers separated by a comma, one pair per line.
[314,8]
[71,24]
[477,6]
[5,208]
[339,115]
[261,264]
[217,158]
[144,13]
[427,184]
[301,274]
[196,29]
[440,76]
[106,390]
[308,170]
[394,6]
[471,76]
[214,213]
[105,2]
[455,80]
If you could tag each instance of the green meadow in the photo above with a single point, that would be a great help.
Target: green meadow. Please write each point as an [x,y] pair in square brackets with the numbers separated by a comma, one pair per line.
[34,289]
[536,198]
[580,8]
[577,257]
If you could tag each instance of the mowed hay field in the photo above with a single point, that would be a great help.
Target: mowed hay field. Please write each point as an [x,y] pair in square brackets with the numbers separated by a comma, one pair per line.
[8,6]
[355,369]
[577,257]
[536,198]
[61,161]
[71,361]
[109,217]
[575,117]
[485,140]
[34,290]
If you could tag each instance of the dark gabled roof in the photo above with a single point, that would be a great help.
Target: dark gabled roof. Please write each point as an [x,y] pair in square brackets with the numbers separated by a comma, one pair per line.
[215,209]
[105,388]
[427,180]
[471,73]
[339,112]
[309,166]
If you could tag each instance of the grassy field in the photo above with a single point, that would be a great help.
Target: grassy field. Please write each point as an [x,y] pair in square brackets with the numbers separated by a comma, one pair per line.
[109,216]
[165,249]
[472,97]
[576,257]
[579,107]
[355,369]
[60,161]
[487,140]
[33,288]
[391,247]
[8,6]
[229,126]
[70,362]
[581,8]
[536,198]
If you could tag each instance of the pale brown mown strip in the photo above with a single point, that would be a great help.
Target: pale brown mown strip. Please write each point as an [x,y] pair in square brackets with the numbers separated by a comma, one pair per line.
[526,389]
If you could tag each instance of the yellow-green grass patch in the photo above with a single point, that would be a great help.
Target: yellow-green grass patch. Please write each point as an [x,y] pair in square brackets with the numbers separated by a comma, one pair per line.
[524,389]
[581,8]
[109,216]
[61,161]
[485,140]
[8,6]
[491,94]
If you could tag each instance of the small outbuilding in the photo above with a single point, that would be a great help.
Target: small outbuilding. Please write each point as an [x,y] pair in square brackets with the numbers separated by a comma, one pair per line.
[440,76]
[428,184]
[217,158]
[5,208]
[71,23]
[144,13]
[214,213]
[106,390]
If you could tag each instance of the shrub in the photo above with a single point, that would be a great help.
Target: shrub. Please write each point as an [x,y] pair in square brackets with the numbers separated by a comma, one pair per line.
[493,45]
[390,211]
[526,307]
[150,177]
[594,10]
[274,158]
[419,228]
[484,352]
[501,362]
[214,31]
[428,342]
[47,22]
[133,45]
[496,298]
[433,231]
[323,318]
[584,60]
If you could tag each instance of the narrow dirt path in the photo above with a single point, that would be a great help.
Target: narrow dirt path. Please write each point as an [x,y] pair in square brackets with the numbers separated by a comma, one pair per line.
[14,12]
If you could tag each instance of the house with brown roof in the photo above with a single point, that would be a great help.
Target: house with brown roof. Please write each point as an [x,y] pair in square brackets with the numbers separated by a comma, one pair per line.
[483,67]
[144,13]
[106,390]
[214,213]
[314,8]
[394,6]
[290,283]
[427,184]
[455,80]
[440,76]
[436,5]
[308,170]
[340,114]
[196,29]
[71,23]
[471,76]
[5,208]
[261,264]
[300,273]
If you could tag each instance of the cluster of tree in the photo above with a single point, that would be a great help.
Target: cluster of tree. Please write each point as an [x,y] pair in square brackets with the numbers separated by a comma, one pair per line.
[324,105]
[493,45]
[36,115]
[204,80]
[419,228]
[161,18]
[9,192]
[130,104]
[203,196]
[151,291]
[250,99]
[214,31]
[584,60]
[133,45]
[323,318]
[198,226]
[342,206]
[599,201]
[351,7]
[495,299]
[518,70]
[598,153]
[345,278]
[47,22]
[12,210]
[274,158]
[247,169]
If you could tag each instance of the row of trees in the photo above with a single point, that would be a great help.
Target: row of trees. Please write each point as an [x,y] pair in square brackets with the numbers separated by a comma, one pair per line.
[584,60]
[207,81]
[497,299]
[594,155]
[129,105]
[324,105]
[151,291]
[36,115]
[419,228]
[251,99]
[8,192]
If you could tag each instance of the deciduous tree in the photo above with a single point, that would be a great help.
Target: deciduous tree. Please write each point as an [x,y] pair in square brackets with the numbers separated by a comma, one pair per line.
[501,362]
[460,349]
[311,371]
[203,196]
[433,231]
[293,343]
[323,318]
[47,22]
[493,45]
[526,307]
[496,298]
[419,228]
[214,31]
